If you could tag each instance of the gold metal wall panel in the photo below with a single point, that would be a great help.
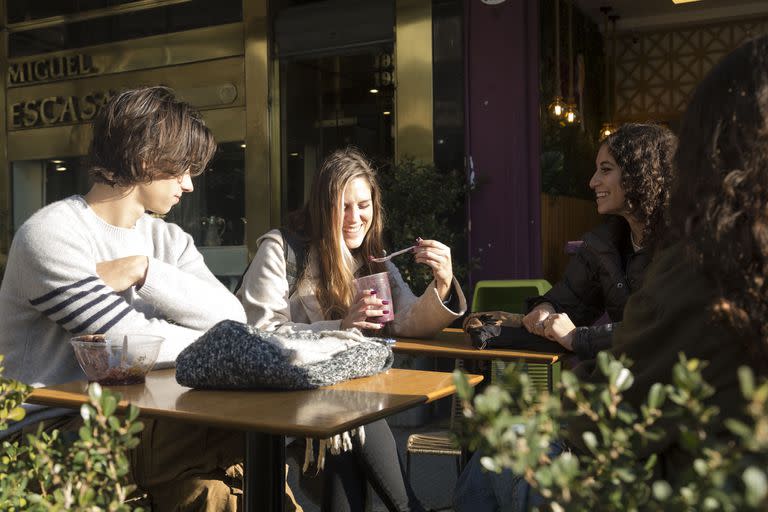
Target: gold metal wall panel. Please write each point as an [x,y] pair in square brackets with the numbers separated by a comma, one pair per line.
[275,147]
[413,67]
[5,170]
[227,125]
[217,84]
[92,14]
[262,184]
[150,52]
[63,141]
[656,72]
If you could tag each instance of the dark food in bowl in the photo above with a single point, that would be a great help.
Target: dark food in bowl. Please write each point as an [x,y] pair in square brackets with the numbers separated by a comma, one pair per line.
[110,368]
[123,376]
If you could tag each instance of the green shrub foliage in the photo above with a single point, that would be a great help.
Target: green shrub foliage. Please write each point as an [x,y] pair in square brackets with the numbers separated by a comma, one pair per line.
[422,201]
[45,472]
[514,425]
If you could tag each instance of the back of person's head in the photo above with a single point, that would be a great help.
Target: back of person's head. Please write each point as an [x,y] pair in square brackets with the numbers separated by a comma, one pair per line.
[644,152]
[720,200]
[145,134]
[323,217]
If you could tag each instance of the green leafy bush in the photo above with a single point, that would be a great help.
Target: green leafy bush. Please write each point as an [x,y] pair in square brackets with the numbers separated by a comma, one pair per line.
[47,473]
[422,201]
[514,427]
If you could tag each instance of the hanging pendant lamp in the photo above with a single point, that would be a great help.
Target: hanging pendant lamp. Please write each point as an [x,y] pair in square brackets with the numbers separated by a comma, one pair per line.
[608,126]
[571,115]
[557,107]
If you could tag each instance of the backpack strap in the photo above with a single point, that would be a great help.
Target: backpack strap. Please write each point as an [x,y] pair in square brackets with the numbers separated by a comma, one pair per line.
[295,253]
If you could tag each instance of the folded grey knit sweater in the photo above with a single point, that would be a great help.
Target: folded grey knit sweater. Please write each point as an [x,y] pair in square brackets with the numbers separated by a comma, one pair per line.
[233,355]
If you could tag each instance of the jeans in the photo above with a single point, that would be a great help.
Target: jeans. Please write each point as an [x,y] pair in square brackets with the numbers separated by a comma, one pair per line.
[478,490]
[376,461]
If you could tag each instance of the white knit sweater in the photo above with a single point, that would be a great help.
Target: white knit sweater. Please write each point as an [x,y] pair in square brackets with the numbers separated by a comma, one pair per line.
[51,290]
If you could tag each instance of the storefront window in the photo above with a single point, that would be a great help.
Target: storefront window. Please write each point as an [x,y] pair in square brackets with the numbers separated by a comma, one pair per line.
[65,177]
[213,213]
[448,83]
[332,102]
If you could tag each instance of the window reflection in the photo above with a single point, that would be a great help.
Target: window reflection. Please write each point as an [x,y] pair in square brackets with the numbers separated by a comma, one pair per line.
[214,212]
[331,102]
[65,177]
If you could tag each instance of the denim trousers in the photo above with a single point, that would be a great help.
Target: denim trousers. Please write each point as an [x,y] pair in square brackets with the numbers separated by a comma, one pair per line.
[478,490]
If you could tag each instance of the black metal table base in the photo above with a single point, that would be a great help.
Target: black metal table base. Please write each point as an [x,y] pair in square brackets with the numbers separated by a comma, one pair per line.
[264,479]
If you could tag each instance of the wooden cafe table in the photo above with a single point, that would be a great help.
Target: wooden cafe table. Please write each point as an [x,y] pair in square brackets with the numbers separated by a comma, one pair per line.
[454,343]
[268,417]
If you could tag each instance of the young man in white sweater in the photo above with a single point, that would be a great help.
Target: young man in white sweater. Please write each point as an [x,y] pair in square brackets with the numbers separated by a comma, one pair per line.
[100,263]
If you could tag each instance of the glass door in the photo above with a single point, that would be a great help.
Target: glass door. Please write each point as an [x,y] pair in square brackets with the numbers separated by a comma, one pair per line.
[330,102]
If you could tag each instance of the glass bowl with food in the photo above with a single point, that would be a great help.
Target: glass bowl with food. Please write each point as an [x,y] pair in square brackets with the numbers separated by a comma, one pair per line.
[117,360]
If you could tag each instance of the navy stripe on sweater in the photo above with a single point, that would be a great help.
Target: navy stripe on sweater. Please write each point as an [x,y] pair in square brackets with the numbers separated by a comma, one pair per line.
[97,315]
[58,291]
[84,307]
[107,326]
[74,298]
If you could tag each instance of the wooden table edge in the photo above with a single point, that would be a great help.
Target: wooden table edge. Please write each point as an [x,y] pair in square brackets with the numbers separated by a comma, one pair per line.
[70,400]
[422,347]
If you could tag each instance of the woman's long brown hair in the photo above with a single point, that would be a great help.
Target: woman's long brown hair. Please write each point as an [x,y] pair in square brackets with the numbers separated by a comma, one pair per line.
[321,221]
[720,200]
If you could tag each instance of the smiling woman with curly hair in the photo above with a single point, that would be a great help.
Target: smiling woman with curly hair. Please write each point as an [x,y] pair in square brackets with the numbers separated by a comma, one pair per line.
[632,183]
[643,154]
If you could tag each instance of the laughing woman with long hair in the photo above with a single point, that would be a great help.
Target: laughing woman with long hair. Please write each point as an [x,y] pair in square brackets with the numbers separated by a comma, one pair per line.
[336,235]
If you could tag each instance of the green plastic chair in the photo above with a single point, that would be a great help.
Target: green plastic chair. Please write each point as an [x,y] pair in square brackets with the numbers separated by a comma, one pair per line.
[509,295]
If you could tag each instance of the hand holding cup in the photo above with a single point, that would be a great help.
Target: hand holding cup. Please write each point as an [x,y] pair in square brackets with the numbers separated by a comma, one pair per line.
[366,312]
[373,305]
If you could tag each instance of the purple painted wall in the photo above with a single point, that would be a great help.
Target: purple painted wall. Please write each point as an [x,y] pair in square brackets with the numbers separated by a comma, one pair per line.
[503,138]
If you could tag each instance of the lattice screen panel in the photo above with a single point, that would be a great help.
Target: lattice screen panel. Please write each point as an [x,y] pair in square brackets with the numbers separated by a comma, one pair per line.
[656,72]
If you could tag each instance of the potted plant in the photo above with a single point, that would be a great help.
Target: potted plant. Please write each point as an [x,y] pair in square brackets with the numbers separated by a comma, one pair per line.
[421,200]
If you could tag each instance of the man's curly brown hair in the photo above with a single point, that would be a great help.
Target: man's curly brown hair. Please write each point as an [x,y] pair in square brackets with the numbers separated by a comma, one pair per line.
[720,201]
[644,153]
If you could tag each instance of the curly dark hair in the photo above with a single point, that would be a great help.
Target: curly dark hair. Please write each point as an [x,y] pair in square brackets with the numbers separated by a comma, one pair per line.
[644,153]
[719,205]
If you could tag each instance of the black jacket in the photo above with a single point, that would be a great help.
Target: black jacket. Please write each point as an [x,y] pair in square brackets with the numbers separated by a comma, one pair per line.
[672,314]
[599,279]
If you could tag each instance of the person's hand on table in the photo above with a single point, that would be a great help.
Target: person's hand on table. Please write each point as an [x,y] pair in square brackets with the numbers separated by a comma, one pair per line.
[534,321]
[475,320]
[122,273]
[437,256]
[366,306]
[559,327]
